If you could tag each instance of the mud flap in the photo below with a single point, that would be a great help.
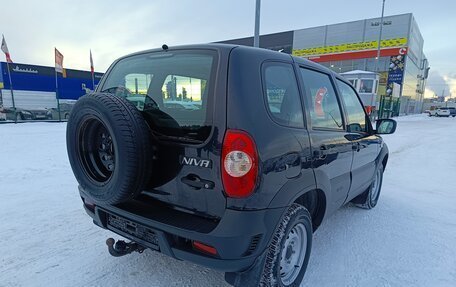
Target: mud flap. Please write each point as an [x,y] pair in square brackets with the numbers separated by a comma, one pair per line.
[250,277]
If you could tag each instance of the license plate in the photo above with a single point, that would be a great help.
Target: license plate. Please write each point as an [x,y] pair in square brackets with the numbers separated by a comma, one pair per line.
[134,229]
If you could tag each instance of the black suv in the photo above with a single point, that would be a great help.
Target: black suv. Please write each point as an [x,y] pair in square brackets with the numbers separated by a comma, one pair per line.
[267,146]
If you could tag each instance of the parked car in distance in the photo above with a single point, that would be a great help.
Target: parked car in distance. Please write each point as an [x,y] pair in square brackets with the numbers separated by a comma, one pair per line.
[452,111]
[443,112]
[238,183]
[2,114]
[65,110]
[181,105]
[432,112]
[440,112]
[20,114]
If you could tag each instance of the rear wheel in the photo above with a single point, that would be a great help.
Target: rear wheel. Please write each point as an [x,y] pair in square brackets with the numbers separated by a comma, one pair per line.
[109,147]
[370,197]
[288,253]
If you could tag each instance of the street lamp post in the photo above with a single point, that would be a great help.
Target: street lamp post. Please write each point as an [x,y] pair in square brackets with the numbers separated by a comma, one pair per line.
[380,37]
[378,52]
[256,38]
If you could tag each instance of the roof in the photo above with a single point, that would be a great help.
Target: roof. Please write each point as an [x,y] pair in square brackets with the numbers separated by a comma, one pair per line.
[357,72]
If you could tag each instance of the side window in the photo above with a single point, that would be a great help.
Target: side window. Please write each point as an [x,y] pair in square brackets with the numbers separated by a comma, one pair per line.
[324,107]
[282,94]
[356,117]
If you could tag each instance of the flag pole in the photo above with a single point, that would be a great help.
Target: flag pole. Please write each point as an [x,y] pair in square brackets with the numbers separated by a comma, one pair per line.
[57,90]
[92,70]
[57,96]
[93,81]
[11,89]
[8,59]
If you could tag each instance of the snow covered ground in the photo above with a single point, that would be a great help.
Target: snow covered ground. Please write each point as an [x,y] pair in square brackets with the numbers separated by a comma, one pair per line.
[409,239]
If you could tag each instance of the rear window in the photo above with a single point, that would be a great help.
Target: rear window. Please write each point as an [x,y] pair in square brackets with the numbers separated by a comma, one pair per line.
[173,90]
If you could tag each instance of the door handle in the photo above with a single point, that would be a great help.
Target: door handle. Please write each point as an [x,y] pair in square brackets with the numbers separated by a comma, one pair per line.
[358,146]
[320,154]
[355,146]
[196,182]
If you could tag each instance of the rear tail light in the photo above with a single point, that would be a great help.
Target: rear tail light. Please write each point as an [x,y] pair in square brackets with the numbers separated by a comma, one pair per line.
[239,164]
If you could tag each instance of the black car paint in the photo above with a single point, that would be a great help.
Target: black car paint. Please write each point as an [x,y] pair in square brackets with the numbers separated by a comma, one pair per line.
[293,161]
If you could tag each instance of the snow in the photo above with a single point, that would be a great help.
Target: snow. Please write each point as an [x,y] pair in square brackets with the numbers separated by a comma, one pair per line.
[407,240]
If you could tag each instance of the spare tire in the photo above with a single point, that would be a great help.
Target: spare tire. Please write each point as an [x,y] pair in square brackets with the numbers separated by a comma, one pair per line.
[109,148]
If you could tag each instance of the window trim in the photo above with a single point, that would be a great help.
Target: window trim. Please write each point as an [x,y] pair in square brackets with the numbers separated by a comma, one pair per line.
[264,65]
[368,121]
[306,103]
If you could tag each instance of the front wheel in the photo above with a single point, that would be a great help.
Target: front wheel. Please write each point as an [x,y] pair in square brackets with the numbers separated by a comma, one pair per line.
[287,254]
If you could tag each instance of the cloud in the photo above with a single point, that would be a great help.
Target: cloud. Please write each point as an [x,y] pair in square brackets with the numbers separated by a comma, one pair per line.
[429,93]
[114,28]
[437,84]
[451,80]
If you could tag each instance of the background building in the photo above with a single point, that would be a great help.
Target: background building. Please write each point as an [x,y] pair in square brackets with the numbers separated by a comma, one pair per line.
[34,86]
[353,46]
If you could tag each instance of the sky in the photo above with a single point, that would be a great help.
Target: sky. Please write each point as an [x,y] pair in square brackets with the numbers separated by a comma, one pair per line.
[114,28]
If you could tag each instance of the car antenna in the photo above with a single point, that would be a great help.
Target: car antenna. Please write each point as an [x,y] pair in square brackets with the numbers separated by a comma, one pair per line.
[165,47]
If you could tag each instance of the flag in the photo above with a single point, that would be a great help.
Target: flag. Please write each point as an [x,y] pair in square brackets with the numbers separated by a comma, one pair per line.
[4,48]
[91,63]
[58,61]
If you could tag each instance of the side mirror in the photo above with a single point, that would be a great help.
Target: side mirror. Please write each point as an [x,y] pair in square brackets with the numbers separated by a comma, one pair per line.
[386,126]
[354,128]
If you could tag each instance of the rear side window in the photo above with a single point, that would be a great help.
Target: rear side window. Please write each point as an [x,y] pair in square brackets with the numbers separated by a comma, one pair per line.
[282,94]
[324,107]
[173,89]
[356,117]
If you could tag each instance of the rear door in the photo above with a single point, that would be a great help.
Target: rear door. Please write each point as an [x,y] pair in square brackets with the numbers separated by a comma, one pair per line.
[366,145]
[331,150]
[176,93]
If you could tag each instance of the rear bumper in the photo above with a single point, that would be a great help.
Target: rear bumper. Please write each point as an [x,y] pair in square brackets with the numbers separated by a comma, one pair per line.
[239,237]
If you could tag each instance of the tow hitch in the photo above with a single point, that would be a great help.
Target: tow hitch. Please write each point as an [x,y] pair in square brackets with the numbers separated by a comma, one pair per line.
[121,248]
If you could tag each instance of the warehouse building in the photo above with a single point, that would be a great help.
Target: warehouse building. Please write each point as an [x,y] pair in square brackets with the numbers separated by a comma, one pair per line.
[352,46]
[34,87]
